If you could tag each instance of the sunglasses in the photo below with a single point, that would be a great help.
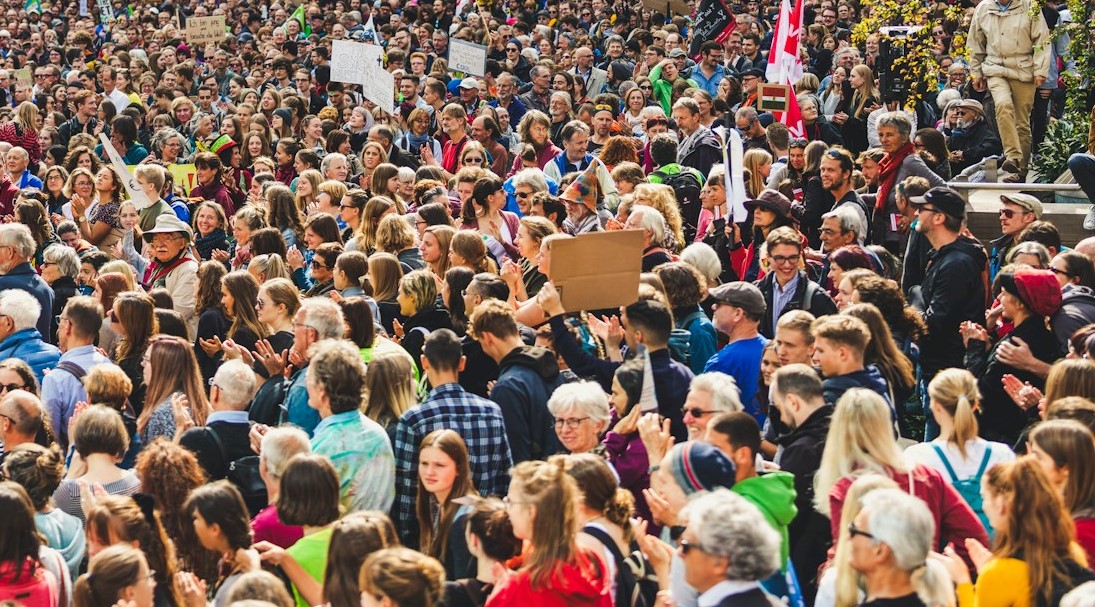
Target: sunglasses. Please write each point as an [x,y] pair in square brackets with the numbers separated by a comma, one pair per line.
[1009,213]
[695,412]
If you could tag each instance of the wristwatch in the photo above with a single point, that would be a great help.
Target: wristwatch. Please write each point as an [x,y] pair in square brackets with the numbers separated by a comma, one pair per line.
[81,219]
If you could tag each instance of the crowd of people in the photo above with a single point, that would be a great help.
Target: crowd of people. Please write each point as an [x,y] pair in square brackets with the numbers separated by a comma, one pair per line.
[300,351]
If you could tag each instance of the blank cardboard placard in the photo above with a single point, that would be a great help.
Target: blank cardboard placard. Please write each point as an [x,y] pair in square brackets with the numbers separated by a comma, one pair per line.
[205,30]
[668,7]
[467,57]
[597,271]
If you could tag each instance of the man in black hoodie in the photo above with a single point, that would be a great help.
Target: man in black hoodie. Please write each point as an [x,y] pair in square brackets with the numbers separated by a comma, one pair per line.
[527,375]
[953,289]
[839,343]
[797,394]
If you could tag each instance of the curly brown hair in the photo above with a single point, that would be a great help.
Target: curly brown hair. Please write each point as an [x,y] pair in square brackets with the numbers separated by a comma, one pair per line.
[618,149]
[169,473]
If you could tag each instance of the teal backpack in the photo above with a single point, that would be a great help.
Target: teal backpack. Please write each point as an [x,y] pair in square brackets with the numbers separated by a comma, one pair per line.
[970,488]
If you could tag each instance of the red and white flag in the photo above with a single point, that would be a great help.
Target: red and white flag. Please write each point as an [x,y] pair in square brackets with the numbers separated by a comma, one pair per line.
[784,62]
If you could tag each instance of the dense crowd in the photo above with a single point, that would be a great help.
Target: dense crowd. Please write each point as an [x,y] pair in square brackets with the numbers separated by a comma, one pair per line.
[300,351]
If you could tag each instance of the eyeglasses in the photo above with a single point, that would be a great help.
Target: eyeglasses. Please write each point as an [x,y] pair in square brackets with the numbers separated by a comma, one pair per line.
[473,160]
[928,209]
[685,547]
[1059,271]
[695,412]
[782,259]
[319,266]
[511,50]
[522,195]
[854,531]
[571,423]
[300,324]
[11,387]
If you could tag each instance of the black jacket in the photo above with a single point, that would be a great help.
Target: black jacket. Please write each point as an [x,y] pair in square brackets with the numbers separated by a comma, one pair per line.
[823,130]
[705,154]
[809,532]
[400,158]
[1000,418]
[526,378]
[820,304]
[417,327]
[952,291]
[976,143]
[64,288]
[234,439]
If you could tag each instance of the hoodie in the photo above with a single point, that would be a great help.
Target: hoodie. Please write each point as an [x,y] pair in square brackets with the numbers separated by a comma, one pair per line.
[869,377]
[581,584]
[953,290]
[526,378]
[774,495]
[65,534]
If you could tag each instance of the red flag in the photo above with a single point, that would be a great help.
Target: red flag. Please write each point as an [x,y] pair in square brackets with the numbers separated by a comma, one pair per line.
[784,62]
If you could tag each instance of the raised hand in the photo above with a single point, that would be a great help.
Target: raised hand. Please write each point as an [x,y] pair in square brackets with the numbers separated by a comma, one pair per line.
[274,361]
[211,347]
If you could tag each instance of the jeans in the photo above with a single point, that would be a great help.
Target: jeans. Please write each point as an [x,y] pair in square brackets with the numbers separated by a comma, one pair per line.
[1083,169]
[931,427]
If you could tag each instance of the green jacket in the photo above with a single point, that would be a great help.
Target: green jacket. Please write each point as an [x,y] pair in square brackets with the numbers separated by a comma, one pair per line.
[663,89]
[774,494]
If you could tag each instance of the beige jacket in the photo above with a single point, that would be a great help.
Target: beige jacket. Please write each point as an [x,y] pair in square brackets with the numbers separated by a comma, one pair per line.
[182,283]
[1008,42]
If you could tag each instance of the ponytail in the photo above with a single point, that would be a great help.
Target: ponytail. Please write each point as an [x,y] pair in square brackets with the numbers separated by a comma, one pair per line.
[933,584]
[965,424]
[955,390]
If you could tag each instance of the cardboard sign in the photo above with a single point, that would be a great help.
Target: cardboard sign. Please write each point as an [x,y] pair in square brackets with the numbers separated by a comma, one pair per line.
[23,77]
[773,97]
[201,31]
[597,271]
[467,57]
[128,180]
[355,62]
[185,176]
[106,12]
[380,89]
[669,8]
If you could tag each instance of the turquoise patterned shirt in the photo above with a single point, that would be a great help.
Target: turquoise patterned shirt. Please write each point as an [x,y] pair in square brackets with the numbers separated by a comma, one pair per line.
[361,452]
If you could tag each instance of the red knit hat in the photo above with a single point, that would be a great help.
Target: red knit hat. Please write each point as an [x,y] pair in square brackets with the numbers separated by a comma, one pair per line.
[1037,289]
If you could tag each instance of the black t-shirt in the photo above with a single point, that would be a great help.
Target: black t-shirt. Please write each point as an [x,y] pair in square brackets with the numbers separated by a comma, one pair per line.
[909,600]
[465,593]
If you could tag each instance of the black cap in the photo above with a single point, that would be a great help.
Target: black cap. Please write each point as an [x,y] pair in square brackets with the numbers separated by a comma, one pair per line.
[943,199]
[755,72]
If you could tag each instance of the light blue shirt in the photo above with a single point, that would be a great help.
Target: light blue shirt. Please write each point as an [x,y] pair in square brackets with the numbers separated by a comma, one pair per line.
[711,85]
[781,296]
[61,390]
[361,452]
[228,417]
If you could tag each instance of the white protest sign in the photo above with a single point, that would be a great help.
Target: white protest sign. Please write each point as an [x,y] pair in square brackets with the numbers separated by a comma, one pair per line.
[83,8]
[128,180]
[467,57]
[205,30]
[360,63]
[105,10]
[735,192]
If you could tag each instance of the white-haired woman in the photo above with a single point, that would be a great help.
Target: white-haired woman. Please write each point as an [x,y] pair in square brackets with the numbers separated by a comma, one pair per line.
[60,266]
[890,541]
[581,414]
[860,441]
[727,539]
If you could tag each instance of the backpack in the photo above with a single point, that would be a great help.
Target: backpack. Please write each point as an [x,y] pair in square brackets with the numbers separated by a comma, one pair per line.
[686,186]
[970,488]
[244,474]
[38,588]
[680,339]
[629,593]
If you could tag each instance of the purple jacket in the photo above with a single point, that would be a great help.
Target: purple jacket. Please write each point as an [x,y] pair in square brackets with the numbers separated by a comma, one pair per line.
[627,454]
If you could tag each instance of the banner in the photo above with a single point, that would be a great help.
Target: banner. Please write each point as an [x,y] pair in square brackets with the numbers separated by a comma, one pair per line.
[785,63]
[135,193]
[714,21]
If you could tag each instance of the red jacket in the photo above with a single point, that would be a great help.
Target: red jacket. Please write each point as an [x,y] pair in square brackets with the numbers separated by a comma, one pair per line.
[954,519]
[582,584]
[8,193]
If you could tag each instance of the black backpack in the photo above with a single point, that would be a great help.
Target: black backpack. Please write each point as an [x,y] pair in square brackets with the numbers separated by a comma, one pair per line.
[686,186]
[629,591]
[244,474]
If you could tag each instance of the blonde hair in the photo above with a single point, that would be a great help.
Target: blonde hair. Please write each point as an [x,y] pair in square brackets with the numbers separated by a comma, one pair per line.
[869,91]
[956,392]
[554,493]
[314,178]
[421,287]
[860,440]
[662,198]
[753,160]
[849,582]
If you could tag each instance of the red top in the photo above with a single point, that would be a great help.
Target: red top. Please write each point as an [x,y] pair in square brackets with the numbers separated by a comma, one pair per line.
[581,584]
[1085,536]
[28,141]
[450,153]
[268,527]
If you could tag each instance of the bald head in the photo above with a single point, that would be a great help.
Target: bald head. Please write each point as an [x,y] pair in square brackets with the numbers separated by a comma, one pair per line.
[21,417]
[1087,247]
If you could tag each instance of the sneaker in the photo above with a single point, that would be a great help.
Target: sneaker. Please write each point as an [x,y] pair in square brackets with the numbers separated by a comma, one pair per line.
[1009,166]
[1089,220]
[1015,177]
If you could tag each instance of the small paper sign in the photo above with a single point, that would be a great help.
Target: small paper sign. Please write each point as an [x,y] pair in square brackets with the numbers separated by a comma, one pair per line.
[467,57]
[773,97]
[106,12]
[201,31]
[23,77]
[354,62]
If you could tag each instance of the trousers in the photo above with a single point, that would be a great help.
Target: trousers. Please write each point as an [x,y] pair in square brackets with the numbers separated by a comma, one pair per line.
[1014,101]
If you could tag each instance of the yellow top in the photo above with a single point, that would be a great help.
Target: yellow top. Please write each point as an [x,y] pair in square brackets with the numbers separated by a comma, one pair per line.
[1004,582]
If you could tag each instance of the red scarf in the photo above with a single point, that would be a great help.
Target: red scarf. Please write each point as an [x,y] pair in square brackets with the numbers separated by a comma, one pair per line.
[887,173]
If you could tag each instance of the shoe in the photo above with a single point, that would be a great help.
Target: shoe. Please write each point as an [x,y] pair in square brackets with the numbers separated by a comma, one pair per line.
[1089,220]
[1009,166]
[1016,177]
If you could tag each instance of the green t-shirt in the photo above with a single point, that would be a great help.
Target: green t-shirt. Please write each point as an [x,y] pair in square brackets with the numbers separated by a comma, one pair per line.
[310,552]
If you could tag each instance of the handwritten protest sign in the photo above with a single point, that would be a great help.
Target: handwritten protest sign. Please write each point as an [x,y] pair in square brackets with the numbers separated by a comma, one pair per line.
[360,63]
[106,11]
[128,180]
[205,30]
[467,57]
[23,77]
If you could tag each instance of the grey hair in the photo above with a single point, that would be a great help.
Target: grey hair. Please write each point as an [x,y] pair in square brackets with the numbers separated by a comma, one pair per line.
[811,98]
[946,97]
[897,120]
[564,95]
[236,383]
[586,396]
[406,174]
[746,113]
[21,307]
[533,178]
[162,135]
[704,258]
[68,262]
[1030,247]
[905,524]
[18,151]
[18,237]
[728,525]
[329,159]
[280,445]
[651,219]
[724,390]
[652,111]
[849,221]
[325,317]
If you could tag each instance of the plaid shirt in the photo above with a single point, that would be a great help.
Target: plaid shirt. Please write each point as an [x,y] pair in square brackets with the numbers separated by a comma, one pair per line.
[477,420]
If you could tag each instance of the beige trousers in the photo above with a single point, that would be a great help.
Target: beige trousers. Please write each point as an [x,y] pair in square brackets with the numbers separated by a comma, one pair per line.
[1014,100]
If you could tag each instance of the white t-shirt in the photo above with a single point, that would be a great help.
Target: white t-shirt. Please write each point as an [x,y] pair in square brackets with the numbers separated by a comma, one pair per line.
[923,453]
